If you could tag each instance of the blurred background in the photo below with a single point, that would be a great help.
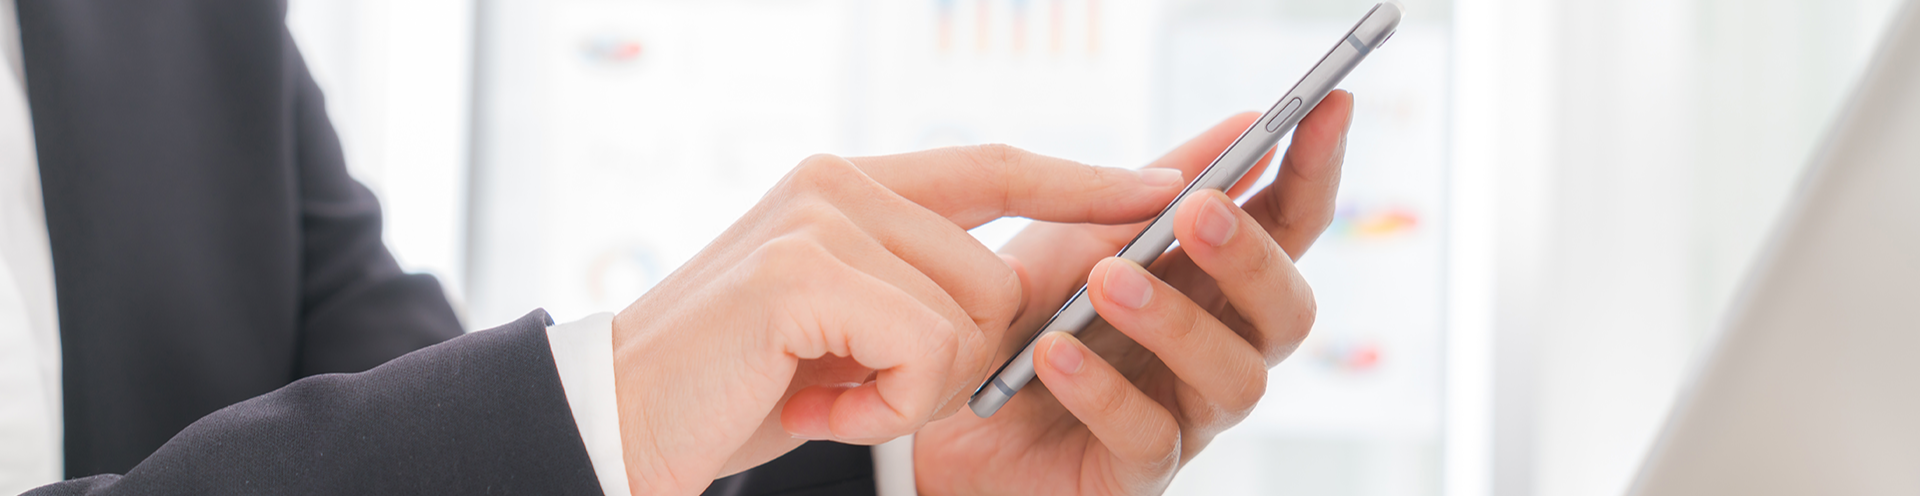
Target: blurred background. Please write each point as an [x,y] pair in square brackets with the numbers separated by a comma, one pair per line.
[1547,206]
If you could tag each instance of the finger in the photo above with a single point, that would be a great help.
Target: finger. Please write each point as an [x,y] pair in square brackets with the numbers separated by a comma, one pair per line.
[1299,205]
[969,311]
[851,313]
[1219,365]
[978,280]
[882,233]
[1252,271]
[1194,155]
[1021,275]
[1060,253]
[1197,153]
[972,185]
[1138,431]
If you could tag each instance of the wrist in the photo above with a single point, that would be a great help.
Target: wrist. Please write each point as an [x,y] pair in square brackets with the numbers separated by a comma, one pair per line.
[693,398]
[647,470]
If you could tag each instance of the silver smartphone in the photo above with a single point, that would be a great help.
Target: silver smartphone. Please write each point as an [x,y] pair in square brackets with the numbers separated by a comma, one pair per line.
[1369,33]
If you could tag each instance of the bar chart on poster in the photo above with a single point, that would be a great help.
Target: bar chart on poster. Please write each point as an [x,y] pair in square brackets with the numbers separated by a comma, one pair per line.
[652,124]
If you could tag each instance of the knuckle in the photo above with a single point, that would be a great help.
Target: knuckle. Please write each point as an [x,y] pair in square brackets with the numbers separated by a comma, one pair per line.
[810,216]
[1286,340]
[1202,410]
[1104,176]
[1158,433]
[1013,293]
[821,163]
[1177,328]
[942,339]
[1267,258]
[1299,218]
[1005,300]
[997,153]
[824,172]
[996,161]
[1276,207]
[787,260]
[1011,173]
[1320,219]
[947,349]
[1114,401]
[1212,417]
[1309,309]
[1242,401]
[1164,450]
[976,358]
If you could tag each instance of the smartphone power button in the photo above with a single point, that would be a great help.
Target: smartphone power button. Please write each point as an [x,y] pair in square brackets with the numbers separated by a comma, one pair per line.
[1274,124]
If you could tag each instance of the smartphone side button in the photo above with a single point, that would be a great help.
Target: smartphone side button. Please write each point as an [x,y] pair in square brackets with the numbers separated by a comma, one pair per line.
[1274,124]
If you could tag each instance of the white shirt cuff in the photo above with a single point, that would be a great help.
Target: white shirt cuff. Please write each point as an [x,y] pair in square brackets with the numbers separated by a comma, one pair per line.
[583,353]
[893,468]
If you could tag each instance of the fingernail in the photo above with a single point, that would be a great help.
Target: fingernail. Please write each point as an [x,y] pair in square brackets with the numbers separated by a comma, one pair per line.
[1127,285]
[1215,224]
[822,435]
[1064,356]
[1160,177]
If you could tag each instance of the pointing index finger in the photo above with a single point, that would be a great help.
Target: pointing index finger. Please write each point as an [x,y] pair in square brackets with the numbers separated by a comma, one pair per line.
[972,185]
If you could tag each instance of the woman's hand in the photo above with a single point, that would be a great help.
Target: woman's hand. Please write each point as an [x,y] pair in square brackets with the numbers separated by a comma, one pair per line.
[849,304]
[1182,350]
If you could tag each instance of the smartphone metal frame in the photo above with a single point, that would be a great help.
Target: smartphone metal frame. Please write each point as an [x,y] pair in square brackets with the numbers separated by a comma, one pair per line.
[1227,169]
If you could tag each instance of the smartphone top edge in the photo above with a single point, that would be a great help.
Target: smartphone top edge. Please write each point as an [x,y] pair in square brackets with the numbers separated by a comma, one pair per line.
[1380,23]
[1399,9]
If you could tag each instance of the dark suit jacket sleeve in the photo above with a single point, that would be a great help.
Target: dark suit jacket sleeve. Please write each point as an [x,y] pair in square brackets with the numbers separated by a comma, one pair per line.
[358,309]
[481,414]
[818,468]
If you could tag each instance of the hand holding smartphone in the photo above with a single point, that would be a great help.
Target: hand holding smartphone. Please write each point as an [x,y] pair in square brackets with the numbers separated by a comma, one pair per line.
[1372,31]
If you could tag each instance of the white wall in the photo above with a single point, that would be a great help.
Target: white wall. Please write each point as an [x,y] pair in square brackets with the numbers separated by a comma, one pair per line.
[1616,165]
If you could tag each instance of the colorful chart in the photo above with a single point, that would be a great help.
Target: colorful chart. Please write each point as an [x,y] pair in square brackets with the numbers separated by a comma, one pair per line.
[1374,222]
[611,49]
[1064,20]
[1349,356]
